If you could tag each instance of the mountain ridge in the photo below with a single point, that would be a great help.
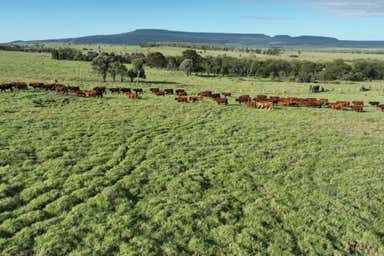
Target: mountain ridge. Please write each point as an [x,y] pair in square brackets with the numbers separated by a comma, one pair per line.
[141,36]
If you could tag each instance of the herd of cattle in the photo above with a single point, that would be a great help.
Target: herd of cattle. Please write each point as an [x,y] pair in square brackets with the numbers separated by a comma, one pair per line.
[261,101]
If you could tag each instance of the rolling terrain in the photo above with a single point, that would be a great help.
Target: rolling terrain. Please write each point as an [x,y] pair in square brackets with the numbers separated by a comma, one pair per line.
[113,176]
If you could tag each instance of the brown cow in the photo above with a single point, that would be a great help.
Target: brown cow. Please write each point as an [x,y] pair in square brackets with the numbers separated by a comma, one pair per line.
[169,91]
[223,101]
[159,93]
[115,90]
[227,94]
[180,91]
[336,106]
[138,90]
[265,104]
[36,85]
[125,90]
[261,97]
[251,104]
[243,99]
[154,90]
[357,108]
[358,103]
[20,86]
[80,93]
[5,87]
[182,99]
[195,98]
[73,88]
[381,107]
[59,88]
[93,93]
[100,90]
[206,94]
[132,95]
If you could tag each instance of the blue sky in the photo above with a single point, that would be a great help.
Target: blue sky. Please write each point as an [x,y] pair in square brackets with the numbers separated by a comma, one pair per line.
[45,19]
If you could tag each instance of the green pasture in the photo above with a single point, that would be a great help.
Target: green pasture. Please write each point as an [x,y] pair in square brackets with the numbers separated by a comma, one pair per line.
[321,54]
[113,176]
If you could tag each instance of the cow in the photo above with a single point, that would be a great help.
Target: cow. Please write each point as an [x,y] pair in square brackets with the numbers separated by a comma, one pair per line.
[73,88]
[344,103]
[223,101]
[20,86]
[336,106]
[206,94]
[381,107]
[36,85]
[159,93]
[91,93]
[274,99]
[125,90]
[251,104]
[181,92]
[243,99]
[374,103]
[195,98]
[80,93]
[5,87]
[314,103]
[49,87]
[59,88]
[182,99]
[357,108]
[265,104]
[115,90]
[101,90]
[169,91]
[138,90]
[215,95]
[227,94]
[154,90]
[260,97]
[132,95]
[358,103]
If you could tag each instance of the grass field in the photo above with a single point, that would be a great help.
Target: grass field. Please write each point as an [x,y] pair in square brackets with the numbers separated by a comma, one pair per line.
[321,55]
[112,176]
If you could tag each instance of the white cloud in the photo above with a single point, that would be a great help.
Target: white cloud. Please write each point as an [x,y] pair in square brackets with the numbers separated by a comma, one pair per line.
[350,8]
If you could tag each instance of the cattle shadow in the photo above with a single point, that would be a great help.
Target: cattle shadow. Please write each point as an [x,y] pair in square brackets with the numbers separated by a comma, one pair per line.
[160,82]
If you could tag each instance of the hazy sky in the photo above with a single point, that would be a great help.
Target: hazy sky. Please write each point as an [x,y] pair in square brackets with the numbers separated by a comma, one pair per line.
[45,19]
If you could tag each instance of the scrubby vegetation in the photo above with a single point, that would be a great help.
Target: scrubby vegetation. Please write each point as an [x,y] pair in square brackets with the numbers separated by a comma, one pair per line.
[155,177]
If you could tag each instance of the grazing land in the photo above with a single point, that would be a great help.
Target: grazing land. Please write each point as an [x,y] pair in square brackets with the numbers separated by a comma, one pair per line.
[113,176]
[315,54]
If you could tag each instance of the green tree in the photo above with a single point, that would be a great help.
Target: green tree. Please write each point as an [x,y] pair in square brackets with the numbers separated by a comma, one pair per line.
[187,66]
[131,74]
[195,57]
[117,68]
[156,60]
[101,65]
[138,68]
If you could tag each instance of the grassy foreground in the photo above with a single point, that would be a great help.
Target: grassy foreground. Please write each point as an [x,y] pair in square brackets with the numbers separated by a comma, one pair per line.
[154,177]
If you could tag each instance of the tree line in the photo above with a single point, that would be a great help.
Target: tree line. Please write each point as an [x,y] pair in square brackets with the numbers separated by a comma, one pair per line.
[191,62]
[293,70]
[215,47]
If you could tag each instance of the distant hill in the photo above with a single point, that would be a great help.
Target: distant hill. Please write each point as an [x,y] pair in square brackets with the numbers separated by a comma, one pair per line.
[142,36]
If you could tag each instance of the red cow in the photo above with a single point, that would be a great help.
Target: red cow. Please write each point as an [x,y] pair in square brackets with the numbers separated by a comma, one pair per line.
[223,101]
